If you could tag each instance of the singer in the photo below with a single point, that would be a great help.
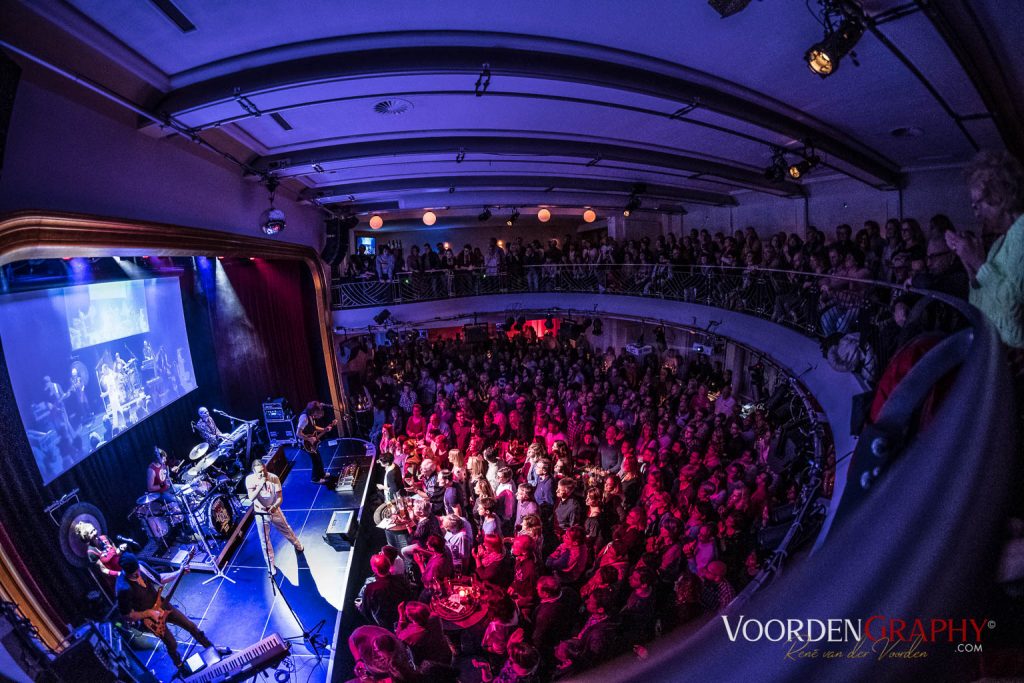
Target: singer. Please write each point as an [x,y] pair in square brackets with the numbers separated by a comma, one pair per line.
[266,496]
[208,429]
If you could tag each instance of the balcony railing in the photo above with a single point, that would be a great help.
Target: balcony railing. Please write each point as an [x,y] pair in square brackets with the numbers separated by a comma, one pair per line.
[818,306]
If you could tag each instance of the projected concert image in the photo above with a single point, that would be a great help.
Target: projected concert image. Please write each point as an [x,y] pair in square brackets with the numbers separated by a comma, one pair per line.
[90,361]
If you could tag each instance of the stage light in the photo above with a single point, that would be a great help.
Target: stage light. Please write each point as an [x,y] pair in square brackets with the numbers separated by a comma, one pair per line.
[429,218]
[548,322]
[376,222]
[447,245]
[512,218]
[634,199]
[543,215]
[485,215]
[382,317]
[501,244]
[823,57]
[598,327]
[777,169]
[589,216]
[801,168]
[727,8]
[510,323]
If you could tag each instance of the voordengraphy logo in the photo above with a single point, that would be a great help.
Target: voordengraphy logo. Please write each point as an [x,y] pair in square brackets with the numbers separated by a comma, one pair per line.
[879,635]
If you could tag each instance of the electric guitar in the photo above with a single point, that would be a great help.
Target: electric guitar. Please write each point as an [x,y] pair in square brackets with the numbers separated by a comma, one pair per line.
[158,625]
[310,442]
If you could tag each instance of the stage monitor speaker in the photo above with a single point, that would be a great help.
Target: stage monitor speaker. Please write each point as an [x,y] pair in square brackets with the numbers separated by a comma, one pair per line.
[341,530]
[97,653]
[478,333]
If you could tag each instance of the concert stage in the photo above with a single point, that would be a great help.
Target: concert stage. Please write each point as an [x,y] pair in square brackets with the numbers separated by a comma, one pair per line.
[239,614]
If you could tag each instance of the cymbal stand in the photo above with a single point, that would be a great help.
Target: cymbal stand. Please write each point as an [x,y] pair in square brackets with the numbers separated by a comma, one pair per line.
[218,573]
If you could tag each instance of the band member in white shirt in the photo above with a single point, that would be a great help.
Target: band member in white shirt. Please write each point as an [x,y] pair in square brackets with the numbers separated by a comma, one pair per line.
[266,495]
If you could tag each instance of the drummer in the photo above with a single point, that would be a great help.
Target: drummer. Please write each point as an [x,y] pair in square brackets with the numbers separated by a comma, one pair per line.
[158,476]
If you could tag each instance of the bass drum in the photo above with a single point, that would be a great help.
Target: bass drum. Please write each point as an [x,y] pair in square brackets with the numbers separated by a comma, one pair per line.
[221,516]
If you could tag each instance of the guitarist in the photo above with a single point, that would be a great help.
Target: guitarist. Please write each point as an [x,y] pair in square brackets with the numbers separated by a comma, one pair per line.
[266,495]
[139,598]
[311,430]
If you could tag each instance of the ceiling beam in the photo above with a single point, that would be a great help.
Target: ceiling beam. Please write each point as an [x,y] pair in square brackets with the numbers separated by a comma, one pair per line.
[541,147]
[576,184]
[632,73]
[957,22]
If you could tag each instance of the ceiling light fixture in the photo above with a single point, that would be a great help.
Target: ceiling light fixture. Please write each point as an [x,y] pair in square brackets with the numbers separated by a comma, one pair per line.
[727,8]
[589,216]
[801,168]
[634,199]
[272,221]
[485,215]
[844,25]
[429,218]
[777,169]
[543,215]
[376,222]
[513,217]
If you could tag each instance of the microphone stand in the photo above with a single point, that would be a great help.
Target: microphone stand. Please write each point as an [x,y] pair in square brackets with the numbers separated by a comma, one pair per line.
[312,638]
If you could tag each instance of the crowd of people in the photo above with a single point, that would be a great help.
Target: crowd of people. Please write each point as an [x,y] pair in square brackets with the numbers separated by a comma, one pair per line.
[593,500]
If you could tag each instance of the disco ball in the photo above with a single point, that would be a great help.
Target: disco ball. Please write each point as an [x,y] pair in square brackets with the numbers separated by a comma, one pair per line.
[272,221]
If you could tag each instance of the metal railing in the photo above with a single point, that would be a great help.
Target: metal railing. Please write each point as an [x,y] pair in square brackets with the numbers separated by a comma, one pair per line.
[816,305]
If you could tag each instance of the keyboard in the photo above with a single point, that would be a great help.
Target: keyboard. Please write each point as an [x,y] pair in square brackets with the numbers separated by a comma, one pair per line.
[245,664]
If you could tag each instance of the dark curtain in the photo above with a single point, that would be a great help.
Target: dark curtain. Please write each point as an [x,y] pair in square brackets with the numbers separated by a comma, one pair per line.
[111,478]
[262,328]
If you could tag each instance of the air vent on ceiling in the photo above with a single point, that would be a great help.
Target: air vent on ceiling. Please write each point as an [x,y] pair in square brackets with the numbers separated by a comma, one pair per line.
[394,106]
[906,132]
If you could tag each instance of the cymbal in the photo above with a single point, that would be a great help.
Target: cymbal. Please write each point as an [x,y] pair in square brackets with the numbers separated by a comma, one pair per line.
[148,498]
[204,463]
[198,451]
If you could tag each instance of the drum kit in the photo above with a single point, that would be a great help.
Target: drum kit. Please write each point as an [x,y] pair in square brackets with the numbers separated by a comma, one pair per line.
[203,502]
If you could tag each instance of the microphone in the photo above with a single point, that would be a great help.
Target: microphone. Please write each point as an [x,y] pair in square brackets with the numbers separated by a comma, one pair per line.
[220,412]
[130,541]
[193,427]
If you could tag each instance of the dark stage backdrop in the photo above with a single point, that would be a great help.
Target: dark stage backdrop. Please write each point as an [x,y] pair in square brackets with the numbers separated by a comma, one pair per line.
[265,321]
[248,342]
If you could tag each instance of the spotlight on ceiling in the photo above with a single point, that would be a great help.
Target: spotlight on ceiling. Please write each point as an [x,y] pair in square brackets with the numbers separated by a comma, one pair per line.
[376,222]
[801,168]
[485,215]
[823,57]
[521,321]
[598,327]
[589,216]
[634,199]
[513,217]
[549,322]
[727,8]
[382,317]
[429,218]
[543,215]
[510,323]
[777,169]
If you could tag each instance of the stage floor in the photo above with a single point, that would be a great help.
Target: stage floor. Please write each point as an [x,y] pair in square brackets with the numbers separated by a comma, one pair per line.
[239,614]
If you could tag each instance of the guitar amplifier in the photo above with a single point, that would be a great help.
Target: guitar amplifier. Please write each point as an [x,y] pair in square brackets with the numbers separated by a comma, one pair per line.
[341,530]
[277,420]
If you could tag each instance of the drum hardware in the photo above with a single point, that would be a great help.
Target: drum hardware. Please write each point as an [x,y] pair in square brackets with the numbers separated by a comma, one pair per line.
[197,530]
[198,451]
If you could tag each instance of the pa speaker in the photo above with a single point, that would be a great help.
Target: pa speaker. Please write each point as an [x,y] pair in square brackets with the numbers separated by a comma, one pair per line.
[476,333]
[336,232]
